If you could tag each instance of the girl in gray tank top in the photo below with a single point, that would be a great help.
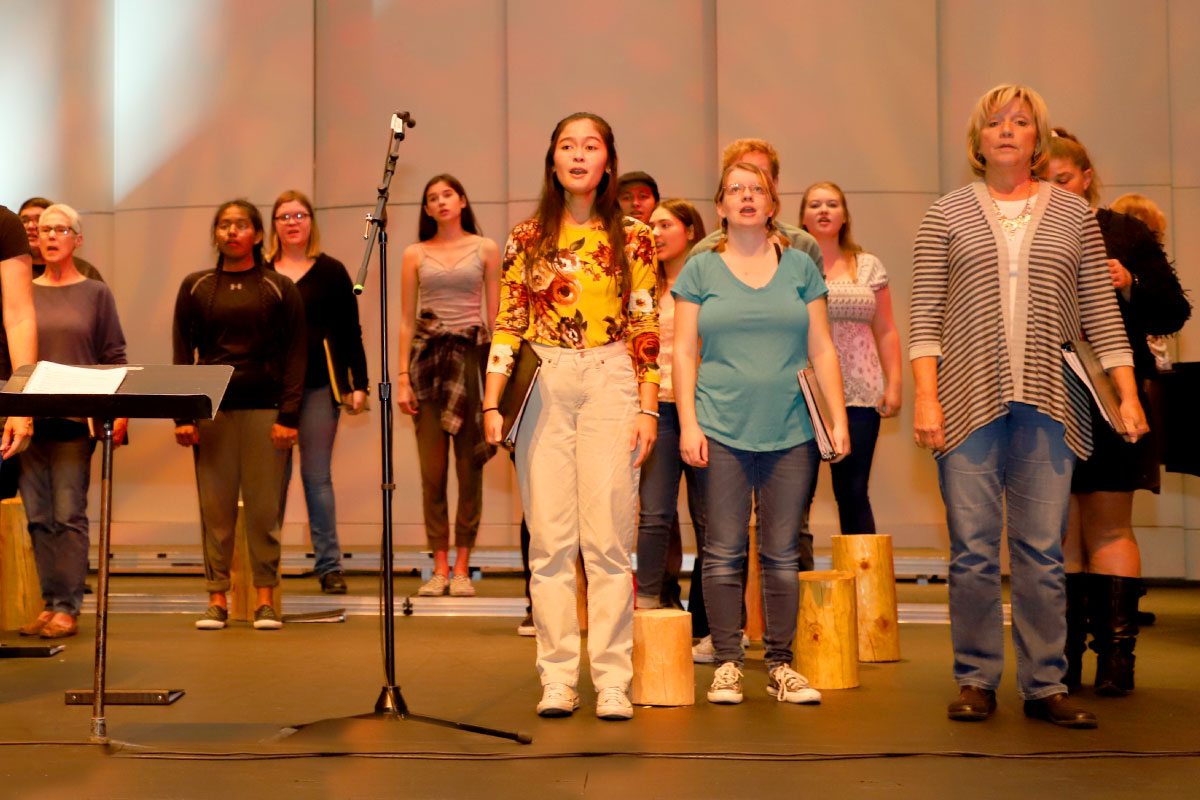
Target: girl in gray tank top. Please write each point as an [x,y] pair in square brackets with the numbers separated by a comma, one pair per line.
[449,294]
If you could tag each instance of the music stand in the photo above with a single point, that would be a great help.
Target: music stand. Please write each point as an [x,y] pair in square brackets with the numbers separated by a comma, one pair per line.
[154,391]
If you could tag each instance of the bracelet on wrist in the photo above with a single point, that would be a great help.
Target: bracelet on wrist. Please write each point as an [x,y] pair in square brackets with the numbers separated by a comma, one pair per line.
[648,412]
[486,410]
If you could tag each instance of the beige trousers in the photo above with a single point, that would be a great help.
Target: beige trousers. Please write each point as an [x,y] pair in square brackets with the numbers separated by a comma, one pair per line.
[579,490]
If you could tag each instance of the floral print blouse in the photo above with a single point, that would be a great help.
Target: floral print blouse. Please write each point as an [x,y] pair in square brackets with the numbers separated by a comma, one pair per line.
[572,298]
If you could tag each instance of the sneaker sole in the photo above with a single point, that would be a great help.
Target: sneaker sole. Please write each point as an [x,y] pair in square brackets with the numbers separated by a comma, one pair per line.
[526,631]
[267,625]
[804,697]
[620,713]
[725,697]
[557,711]
[205,625]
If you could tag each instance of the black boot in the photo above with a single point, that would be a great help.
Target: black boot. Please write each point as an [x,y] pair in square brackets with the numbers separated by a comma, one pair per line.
[1113,606]
[1077,628]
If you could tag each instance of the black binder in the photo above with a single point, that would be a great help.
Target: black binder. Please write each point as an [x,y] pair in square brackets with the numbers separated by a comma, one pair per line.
[1085,366]
[818,411]
[526,366]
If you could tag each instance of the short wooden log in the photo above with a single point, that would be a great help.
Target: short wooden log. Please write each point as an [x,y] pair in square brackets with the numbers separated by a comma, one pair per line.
[581,590]
[826,639]
[243,597]
[663,674]
[20,590]
[753,596]
[869,558]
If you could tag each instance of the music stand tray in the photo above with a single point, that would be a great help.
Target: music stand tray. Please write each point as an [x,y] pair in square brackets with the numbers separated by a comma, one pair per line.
[151,391]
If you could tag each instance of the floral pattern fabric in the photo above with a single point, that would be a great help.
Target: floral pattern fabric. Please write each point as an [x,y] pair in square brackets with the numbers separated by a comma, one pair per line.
[851,311]
[572,297]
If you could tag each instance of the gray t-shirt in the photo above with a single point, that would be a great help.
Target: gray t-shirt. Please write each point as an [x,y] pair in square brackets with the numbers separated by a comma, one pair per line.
[801,240]
[77,324]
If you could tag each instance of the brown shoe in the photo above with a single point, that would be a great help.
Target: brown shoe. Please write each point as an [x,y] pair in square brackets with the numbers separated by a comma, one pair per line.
[972,704]
[57,628]
[35,625]
[1060,710]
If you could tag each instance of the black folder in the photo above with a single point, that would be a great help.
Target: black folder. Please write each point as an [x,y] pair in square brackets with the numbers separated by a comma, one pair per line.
[1085,366]
[526,366]
[818,411]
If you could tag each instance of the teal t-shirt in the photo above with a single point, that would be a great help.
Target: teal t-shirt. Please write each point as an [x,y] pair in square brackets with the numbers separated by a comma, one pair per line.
[752,344]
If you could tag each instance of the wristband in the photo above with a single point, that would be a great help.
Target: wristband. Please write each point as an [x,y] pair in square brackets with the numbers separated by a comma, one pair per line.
[493,408]
[648,412]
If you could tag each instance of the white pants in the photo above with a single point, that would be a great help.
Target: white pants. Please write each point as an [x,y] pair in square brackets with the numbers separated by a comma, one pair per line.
[579,490]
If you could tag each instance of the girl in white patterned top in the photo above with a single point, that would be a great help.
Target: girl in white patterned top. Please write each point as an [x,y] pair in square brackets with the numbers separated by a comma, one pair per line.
[867,342]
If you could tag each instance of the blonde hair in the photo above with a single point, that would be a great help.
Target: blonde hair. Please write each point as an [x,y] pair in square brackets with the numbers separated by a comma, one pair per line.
[738,148]
[71,214]
[1141,207]
[768,184]
[845,237]
[997,98]
[273,250]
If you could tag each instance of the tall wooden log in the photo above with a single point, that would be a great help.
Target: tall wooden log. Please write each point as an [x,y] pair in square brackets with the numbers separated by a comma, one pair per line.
[826,639]
[20,590]
[869,558]
[243,597]
[663,673]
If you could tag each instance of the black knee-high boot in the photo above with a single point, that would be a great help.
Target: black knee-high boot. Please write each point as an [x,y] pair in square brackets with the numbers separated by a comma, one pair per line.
[1077,628]
[1113,608]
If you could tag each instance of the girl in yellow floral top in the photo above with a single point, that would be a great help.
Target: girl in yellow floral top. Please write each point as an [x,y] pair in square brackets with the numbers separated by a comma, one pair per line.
[579,284]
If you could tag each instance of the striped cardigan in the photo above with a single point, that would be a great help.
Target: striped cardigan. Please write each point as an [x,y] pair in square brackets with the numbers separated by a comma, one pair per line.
[959,311]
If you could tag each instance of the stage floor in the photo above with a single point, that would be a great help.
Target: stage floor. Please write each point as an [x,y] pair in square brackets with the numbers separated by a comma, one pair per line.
[246,689]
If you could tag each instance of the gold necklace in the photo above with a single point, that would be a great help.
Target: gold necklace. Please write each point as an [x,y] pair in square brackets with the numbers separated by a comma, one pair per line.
[1010,225]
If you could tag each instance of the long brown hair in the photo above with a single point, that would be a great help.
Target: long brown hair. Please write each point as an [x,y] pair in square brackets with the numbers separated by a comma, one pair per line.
[427,225]
[1063,144]
[552,203]
[688,217]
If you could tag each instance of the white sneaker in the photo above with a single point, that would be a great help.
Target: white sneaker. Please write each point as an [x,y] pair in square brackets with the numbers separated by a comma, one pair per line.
[727,684]
[790,686]
[435,586]
[612,703]
[460,586]
[703,652]
[558,700]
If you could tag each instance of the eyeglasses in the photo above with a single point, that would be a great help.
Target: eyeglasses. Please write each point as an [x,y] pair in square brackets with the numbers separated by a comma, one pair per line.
[299,216]
[239,224]
[60,230]
[738,188]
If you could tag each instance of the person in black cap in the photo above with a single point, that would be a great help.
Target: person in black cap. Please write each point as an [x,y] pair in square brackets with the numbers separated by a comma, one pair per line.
[637,193]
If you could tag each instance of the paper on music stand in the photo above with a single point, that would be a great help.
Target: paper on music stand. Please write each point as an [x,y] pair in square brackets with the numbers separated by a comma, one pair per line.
[51,378]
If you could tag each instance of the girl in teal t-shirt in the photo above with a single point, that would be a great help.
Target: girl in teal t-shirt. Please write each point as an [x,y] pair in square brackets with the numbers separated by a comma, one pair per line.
[759,310]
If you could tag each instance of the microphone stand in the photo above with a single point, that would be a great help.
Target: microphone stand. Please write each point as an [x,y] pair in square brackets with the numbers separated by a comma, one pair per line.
[391,706]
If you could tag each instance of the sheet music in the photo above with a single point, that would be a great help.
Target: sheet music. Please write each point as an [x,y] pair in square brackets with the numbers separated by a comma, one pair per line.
[51,378]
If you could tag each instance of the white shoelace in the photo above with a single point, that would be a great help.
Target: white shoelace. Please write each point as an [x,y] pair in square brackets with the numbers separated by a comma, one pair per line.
[787,680]
[555,692]
[614,695]
[727,676]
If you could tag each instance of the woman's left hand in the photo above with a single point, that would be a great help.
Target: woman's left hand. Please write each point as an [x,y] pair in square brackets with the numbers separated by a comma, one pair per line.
[358,399]
[841,442]
[1121,277]
[645,431]
[283,436]
[890,406]
[1135,419]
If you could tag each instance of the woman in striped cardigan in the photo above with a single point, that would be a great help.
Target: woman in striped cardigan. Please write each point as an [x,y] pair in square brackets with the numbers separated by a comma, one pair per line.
[1005,270]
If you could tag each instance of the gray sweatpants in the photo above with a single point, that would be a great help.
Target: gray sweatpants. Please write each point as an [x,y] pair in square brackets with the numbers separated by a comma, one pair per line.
[236,452]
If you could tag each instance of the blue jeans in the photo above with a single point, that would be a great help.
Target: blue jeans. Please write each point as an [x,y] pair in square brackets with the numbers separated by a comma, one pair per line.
[318,428]
[780,480]
[1019,464]
[55,472]
[658,495]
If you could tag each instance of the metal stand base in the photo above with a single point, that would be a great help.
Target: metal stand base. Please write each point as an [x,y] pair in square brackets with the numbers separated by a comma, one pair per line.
[125,697]
[30,651]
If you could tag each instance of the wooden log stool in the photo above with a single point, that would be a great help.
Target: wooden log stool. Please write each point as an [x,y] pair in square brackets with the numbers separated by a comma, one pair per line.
[869,558]
[20,589]
[826,639]
[663,674]
[243,597]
